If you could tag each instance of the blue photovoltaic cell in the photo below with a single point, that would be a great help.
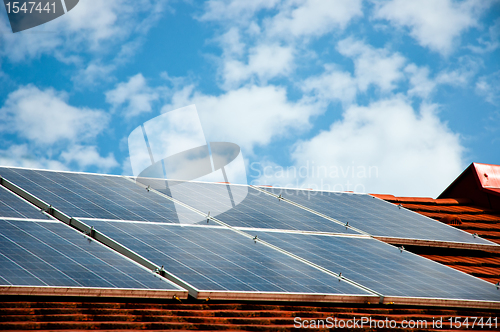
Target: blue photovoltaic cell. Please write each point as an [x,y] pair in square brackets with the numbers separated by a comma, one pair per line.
[97,196]
[243,206]
[384,268]
[219,259]
[376,217]
[50,253]
[12,206]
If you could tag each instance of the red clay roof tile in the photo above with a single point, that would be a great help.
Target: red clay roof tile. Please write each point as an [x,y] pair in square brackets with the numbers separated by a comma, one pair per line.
[384,197]
[446,201]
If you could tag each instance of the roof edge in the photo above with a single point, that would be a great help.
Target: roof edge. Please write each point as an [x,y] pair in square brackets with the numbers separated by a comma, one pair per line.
[457,180]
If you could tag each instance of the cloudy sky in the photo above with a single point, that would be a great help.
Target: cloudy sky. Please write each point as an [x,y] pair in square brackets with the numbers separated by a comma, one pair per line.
[373,96]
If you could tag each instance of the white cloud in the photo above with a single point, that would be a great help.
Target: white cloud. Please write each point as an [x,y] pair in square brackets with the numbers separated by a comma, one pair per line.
[312,17]
[385,147]
[264,62]
[268,61]
[434,24]
[91,26]
[127,167]
[135,94]
[489,87]
[231,43]
[373,66]
[263,39]
[420,83]
[465,69]
[55,133]
[88,156]
[248,116]
[95,37]
[44,117]
[21,155]
[423,85]
[332,85]
[294,18]
[21,46]
[237,10]
[385,70]
[94,72]
[75,157]
[455,77]
[491,42]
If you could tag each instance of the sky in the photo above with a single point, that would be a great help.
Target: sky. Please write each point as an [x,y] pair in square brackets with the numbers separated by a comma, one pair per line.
[390,97]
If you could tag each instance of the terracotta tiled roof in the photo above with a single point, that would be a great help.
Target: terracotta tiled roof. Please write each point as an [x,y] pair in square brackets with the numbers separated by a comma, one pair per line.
[463,214]
[229,316]
[478,213]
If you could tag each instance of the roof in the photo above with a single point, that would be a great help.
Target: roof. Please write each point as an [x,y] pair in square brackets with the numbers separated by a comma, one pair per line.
[480,183]
[468,204]
[115,314]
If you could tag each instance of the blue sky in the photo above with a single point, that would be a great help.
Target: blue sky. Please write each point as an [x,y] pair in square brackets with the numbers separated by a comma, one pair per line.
[373,96]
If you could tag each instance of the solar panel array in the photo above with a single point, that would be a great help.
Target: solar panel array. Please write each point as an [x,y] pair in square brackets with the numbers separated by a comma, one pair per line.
[219,259]
[96,196]
[383,268]
[255,210]
[221,238]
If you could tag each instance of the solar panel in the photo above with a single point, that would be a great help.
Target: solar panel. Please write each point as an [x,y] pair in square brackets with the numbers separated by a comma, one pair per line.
[208,257]
[384,268]
[214,258]
[243,206]
[97,196]
[50,253]
[376,217]
[12,206]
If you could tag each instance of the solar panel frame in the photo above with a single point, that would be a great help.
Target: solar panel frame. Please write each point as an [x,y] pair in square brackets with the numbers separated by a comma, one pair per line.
[13,206]
[50,254]
[59,188]
[384,268]
[388,217]
[187,265]
[256,210]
